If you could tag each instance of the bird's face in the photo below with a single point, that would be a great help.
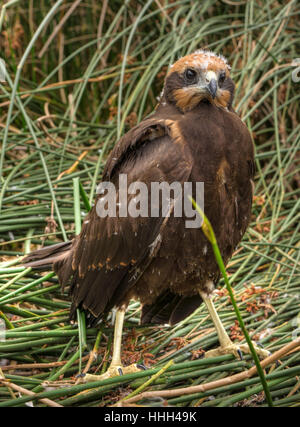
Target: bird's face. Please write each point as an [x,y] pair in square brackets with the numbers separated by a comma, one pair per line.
[197,77]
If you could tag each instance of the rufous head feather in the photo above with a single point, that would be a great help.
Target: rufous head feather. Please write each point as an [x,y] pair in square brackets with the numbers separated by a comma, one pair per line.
[200,76]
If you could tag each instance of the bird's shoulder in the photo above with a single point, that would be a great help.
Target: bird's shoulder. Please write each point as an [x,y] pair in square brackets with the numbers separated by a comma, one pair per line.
[162,122]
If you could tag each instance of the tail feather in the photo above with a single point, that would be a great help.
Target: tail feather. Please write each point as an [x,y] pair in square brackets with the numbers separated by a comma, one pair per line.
[167,308]
[170,308]
[49,257]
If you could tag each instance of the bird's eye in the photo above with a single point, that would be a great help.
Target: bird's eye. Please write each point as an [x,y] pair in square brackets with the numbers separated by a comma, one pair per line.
[222,77]
[190,75]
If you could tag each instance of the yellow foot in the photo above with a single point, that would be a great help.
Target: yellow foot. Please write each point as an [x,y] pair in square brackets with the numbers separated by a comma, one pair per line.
[237,350]
[113,371]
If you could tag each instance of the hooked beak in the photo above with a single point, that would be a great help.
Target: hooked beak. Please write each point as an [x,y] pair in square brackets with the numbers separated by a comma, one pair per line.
[212,87]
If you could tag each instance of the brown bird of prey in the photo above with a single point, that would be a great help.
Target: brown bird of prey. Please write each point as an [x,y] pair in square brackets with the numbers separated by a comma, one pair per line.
[194,135]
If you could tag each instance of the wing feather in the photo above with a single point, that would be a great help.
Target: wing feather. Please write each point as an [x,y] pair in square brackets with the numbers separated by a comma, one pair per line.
[111,253]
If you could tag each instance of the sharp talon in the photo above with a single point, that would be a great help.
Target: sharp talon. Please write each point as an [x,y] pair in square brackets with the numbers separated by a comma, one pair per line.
[82,375]
[277,363]
[259,344]
[142,367]
[120,371]
[240,354]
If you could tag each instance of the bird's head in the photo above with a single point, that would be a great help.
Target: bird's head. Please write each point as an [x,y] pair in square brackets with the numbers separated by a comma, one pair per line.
[198,77]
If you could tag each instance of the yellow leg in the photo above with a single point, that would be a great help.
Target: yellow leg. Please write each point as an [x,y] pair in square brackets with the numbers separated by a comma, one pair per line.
[226,345]
[119,322]
[115,367]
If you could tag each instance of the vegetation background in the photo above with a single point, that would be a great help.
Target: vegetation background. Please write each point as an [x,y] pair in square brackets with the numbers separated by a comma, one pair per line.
[79,75]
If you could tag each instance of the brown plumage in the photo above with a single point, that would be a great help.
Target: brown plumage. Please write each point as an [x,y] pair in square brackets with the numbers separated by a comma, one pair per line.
[194,135]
